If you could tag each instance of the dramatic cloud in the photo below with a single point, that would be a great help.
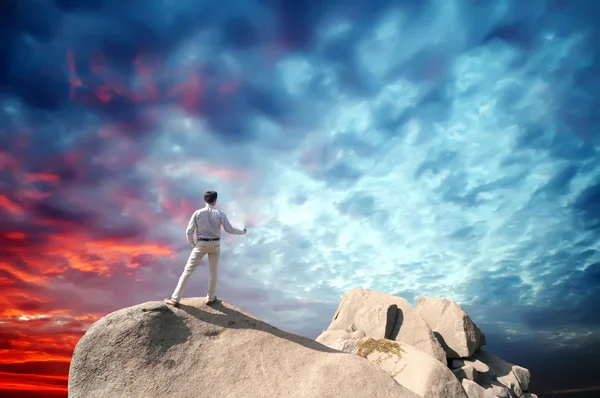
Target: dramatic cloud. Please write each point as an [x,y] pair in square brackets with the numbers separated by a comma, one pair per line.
[445,148]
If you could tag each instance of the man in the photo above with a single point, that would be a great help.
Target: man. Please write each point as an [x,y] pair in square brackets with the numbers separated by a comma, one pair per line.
[207,222]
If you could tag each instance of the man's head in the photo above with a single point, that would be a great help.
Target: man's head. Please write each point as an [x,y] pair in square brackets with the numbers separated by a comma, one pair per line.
[210,197]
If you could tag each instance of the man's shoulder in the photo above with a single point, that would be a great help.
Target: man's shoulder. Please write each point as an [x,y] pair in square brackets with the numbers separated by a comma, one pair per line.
[221,213]
[211,209]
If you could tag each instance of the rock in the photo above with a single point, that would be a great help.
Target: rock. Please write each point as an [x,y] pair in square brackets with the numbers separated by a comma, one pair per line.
[516,378]
[479,366]
[375,319]
[466,372]
[474,390]
[153,350]
[456,332]
[340,339]
[412,368]
[496,389]
[489,389]
[406,326]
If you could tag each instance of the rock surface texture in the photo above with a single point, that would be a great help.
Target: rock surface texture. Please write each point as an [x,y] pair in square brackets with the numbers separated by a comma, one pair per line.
[375,346]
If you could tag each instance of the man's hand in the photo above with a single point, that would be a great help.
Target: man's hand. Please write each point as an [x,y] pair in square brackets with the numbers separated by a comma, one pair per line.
[192,244]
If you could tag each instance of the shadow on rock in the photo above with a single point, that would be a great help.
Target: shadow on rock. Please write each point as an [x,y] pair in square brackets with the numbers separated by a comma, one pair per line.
[161,329]
[230,318]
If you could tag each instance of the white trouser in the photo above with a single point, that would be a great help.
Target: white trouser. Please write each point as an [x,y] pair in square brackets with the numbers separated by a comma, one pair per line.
[213,249]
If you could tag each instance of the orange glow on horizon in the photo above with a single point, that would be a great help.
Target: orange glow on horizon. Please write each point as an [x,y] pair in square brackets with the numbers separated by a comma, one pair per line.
[33,382]
[15,314]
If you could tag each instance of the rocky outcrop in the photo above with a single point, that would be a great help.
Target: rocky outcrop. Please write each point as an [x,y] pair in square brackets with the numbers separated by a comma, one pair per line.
[341,340]
[374,317]
[375,346]
[494,375]
[456,332]
[152,350]
[472,371]
[356,309]
[466,372]
[412,368]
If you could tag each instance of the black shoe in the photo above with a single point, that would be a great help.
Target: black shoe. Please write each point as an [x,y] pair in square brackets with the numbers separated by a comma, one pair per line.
[211,301]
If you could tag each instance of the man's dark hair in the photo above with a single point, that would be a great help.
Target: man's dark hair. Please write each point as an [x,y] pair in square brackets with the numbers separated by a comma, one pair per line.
[210,196]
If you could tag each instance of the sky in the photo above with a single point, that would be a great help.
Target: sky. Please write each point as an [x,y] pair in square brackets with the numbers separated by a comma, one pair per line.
[433,147]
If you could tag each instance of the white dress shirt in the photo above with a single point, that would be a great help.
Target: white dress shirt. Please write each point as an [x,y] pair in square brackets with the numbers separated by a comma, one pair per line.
[207,222]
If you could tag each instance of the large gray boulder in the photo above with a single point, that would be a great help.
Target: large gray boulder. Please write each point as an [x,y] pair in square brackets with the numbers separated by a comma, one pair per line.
[412,368]
[474,390]
[375,319]
[467,372]
[497,389]
[476,364]
[356,312]
[496,376]
[152,350]
[457,333]
[341,340]
[515,378]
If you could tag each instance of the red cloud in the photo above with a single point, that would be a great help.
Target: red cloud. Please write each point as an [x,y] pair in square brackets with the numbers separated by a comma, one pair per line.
[10,206]
[49,271]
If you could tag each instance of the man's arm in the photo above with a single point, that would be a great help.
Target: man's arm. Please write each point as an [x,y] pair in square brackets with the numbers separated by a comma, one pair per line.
[229,228]
[190,229]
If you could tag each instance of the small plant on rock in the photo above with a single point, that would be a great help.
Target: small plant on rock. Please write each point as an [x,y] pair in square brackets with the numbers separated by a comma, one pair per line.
[384,346]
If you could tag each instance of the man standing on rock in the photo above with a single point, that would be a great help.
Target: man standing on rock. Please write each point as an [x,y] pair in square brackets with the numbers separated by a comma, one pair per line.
[207,222]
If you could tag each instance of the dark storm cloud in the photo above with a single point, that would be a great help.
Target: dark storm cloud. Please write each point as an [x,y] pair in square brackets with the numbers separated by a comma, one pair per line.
[93,58]
[61,210]
[587,207]
[560,183]
[576,367]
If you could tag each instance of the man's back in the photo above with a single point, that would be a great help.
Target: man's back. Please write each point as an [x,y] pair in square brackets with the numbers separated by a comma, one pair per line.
[207,222]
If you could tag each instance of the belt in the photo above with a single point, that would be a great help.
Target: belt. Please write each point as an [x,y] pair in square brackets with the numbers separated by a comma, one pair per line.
[208,239]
